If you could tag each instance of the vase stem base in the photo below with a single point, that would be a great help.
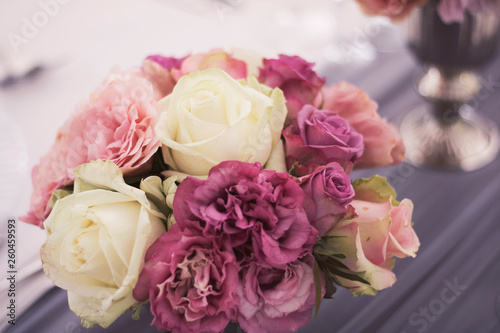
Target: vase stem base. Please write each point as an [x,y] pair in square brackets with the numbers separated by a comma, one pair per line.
[466,141]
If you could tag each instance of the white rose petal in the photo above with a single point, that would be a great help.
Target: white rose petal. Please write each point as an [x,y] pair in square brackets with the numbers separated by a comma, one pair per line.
[97,238]
[210,118]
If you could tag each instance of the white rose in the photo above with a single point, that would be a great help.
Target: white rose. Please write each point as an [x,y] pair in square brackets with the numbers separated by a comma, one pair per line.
[210,118]
[97,238]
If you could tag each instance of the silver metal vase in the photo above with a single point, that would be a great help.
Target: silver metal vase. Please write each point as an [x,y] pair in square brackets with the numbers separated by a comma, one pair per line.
[446,132]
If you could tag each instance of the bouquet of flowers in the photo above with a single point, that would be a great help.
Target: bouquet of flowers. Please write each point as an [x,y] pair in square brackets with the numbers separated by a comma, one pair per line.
[450,11]
[216,187]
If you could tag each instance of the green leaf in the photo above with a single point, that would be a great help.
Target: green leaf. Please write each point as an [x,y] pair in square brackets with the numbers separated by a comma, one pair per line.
[330,288]
[323,247]
[317,285]
[350,275]
[153,187]
[56,195]
[87,324]
[333,268]
[293,170]
[327,237]
[374,189]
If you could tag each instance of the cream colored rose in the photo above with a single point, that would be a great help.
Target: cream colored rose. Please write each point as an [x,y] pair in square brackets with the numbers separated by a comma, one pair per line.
[210,118]
[97,238]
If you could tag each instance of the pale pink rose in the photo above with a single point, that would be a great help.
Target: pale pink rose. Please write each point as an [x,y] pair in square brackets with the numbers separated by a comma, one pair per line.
[382,144]
[396,10]
[383,226]
[216,58]
[116,124]
[349,239]
[370,240]
[403,241]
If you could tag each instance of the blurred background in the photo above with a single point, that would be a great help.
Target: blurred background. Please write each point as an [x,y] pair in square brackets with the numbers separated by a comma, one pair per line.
[53,53]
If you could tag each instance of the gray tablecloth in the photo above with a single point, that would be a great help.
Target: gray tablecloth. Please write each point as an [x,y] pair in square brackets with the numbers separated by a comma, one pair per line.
[454,283]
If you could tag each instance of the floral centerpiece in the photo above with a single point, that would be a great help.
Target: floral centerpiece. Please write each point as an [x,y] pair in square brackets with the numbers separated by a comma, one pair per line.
[218,189]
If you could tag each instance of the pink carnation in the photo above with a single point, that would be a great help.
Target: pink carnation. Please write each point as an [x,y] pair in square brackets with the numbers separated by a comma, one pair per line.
[382,143]
[47,176]
[191,282]
[116,124]
[260,210]
[276,300]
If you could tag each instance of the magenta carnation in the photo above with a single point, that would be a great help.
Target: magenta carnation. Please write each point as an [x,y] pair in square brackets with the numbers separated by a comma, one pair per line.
[296,77]
[260,210]
[320,137]
[191,282]
[276,300]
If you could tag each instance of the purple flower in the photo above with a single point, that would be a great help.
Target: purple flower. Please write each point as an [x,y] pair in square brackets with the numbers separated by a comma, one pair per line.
[260,210]
[191,282]
[276,300]
[452,11]
[295,76]
[328,191]
[320,137]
